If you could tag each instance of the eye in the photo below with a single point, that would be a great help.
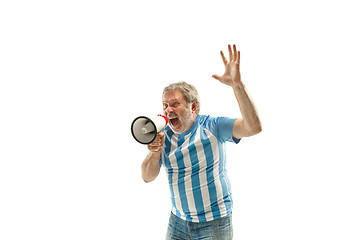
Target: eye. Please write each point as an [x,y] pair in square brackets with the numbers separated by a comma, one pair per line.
[165,106]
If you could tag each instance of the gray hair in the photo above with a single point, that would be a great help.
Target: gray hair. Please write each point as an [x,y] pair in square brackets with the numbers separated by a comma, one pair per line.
[189,92]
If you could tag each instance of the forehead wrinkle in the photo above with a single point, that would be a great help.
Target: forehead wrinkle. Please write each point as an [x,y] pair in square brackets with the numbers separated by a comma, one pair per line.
[173,99]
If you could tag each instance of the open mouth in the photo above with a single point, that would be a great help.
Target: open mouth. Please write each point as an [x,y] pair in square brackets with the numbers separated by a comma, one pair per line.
[174,121]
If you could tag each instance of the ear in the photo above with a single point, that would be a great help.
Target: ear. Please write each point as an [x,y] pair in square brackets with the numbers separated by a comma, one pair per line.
[194,106]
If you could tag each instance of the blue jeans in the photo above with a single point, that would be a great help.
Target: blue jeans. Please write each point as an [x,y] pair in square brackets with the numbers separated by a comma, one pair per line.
[219,229]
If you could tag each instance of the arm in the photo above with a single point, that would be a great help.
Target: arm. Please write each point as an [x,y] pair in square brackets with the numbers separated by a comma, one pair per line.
[150,167]
[249,124]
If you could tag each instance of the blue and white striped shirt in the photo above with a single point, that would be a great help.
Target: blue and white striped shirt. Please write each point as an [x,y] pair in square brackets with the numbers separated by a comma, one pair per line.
[195,162]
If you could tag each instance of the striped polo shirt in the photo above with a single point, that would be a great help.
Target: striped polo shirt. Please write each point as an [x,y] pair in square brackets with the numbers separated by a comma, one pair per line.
[195,163]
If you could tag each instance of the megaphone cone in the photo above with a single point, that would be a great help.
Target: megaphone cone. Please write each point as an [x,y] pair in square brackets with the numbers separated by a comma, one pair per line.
[145,129]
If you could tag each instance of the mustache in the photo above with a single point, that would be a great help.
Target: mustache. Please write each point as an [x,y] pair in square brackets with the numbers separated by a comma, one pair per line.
[173,116]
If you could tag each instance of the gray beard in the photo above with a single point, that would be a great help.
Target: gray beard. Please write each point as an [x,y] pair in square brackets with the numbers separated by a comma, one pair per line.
[186,122]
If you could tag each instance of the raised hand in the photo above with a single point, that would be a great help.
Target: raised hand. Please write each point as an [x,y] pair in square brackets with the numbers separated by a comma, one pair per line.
[232,75]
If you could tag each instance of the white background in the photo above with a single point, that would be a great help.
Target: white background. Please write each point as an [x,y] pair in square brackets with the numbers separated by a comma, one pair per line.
[74,74]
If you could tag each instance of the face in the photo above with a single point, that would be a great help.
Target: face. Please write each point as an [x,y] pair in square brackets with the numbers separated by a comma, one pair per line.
[180,114]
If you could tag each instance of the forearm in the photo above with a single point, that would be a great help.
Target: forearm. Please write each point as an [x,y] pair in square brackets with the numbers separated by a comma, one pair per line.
[251,121]
[249,124]
[150,167]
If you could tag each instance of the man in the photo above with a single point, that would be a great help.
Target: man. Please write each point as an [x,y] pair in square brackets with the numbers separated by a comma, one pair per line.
[192,150]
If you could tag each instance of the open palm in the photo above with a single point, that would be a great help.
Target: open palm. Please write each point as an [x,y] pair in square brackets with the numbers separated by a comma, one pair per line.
[232,75]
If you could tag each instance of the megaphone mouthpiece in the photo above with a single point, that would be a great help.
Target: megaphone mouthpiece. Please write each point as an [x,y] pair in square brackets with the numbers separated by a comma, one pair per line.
[148,128]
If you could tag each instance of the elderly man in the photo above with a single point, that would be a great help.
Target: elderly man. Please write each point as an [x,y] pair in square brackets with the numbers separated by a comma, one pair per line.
[192,150]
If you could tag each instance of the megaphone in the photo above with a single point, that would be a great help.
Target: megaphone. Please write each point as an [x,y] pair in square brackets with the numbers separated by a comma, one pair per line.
[145,129]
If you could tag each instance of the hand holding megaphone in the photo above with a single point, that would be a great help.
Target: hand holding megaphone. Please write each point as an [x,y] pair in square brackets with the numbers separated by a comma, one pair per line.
[145,129]
[157,145]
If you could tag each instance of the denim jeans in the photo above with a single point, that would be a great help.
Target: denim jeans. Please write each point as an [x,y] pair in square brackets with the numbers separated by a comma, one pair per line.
[219,229]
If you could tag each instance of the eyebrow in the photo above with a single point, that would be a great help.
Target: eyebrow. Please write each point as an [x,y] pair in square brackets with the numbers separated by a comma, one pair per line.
[172,100]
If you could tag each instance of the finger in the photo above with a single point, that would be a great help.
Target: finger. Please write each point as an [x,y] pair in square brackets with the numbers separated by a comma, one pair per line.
[154,148]
[217,77]
[238,57]
[235,53]
[160,136]
[230,53]
[223,57]
[155,142]
[151,148]
[159,141]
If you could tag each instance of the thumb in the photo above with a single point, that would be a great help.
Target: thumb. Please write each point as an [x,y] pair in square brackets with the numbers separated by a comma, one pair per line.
[162,136]
[217,77]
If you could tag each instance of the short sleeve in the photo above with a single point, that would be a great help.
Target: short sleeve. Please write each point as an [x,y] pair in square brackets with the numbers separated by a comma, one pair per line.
[225,129]
[222,128]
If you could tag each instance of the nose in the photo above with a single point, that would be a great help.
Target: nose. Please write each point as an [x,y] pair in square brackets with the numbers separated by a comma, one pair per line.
[168,110]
